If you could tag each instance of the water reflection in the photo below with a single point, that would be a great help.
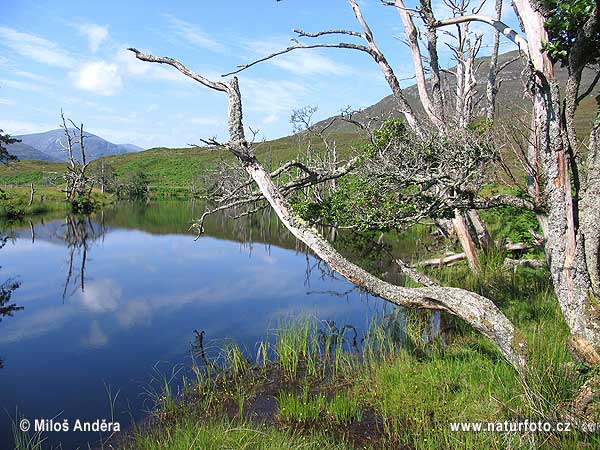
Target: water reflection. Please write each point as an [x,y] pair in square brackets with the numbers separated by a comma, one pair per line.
[108,296]
[80,233]
[7,287]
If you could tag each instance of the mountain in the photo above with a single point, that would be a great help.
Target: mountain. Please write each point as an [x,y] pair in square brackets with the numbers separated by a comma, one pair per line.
[27,152]
[50,143]
[511,98]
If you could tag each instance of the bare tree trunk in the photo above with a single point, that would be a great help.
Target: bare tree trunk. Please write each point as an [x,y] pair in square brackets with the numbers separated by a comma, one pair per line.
[483,236]
[491,88]
[590,209]
[461,228]
[31,194]
[564,245]
[413,43]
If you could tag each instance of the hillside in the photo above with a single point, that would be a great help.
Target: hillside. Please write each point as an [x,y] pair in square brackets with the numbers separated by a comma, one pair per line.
[170,171]
[50,144]
[511,98]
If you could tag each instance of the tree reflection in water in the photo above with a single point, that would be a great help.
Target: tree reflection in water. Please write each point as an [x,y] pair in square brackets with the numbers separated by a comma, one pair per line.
[80,233]
[6,289]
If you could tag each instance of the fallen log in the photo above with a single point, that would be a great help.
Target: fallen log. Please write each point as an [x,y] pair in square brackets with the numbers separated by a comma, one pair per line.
[454,257]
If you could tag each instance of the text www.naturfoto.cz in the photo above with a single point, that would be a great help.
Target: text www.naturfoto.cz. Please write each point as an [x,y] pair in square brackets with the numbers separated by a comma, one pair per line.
[517,427]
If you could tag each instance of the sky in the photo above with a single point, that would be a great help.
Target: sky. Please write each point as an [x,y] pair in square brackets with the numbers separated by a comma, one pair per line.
[71,55]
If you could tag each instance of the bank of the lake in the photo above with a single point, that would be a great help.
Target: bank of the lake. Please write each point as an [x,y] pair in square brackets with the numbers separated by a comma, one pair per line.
[401,384]
[16,201]
[101,303]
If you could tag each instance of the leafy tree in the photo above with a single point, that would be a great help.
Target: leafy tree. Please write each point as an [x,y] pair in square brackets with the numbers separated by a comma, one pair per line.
[5,139]
[134,186]
[565,23]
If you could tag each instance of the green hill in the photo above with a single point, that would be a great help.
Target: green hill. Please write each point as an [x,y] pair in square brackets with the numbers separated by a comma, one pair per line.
[170,171]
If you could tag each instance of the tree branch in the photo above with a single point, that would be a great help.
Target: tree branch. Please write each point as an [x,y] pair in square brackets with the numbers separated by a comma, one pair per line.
[497,24]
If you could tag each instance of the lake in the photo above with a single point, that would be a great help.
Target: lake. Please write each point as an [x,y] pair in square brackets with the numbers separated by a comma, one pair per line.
[111,300]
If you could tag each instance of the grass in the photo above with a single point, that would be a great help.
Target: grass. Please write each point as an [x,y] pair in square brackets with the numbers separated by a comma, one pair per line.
[402,389]
[344,409]
[302,409]
[171,172]
[224,434]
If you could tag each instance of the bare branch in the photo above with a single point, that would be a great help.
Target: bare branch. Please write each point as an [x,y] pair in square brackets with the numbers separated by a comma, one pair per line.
[497,24]
[303,33]
[184,70]
[298,46]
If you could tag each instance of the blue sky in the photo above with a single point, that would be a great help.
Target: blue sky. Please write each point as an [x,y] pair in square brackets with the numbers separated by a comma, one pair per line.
[71,55]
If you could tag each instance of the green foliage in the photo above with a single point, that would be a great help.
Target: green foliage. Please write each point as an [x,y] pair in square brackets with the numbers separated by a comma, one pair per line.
[133,186]
[303,409]
[359,203]
[10,206]
[564,21]
[480,125]
[82,204]
[5,139]
[511,223]
[391,130]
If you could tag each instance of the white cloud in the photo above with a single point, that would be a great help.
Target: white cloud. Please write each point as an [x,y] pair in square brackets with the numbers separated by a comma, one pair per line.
[35,47]
[99,77]
[271,118]
[12,126]
[20,85]
[193,35]
[273,96]
[95,34]
[101,296]
[6,101]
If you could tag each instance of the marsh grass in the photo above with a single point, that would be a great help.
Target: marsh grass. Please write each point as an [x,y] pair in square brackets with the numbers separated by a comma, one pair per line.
[224,434]
[344,409]
[26,440]
[303,409]
[404,380]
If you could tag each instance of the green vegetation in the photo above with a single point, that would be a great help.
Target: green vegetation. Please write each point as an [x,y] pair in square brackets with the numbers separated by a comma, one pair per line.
[14,202]
[169,173]
[402,387]
[223,434]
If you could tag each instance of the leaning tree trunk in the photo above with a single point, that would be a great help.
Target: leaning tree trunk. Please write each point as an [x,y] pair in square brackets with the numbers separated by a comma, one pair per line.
[478,311]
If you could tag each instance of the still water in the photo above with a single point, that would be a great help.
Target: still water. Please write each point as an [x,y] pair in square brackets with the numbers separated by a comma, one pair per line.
[103,303]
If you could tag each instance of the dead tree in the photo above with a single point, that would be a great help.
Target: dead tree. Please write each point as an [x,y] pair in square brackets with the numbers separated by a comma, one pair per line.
[491,88]
[571,218]
[31,194]
[478,311]
[78,186]
[467,226]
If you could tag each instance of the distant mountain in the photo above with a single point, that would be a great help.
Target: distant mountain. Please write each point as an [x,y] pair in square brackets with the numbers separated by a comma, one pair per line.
[50,144]
[25,152]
